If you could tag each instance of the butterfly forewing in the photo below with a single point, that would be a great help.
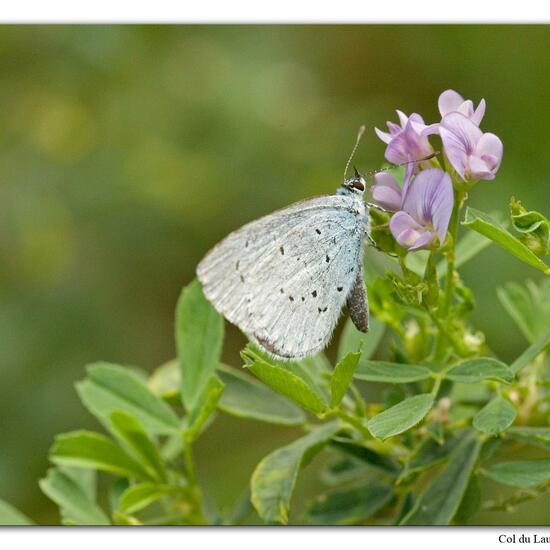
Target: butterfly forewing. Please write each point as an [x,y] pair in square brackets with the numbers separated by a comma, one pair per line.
[283,279]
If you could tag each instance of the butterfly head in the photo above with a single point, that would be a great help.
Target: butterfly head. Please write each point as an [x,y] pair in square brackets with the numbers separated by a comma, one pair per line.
[355,185]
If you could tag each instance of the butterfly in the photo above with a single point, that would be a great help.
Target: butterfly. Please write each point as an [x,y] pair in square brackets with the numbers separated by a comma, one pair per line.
[284,278]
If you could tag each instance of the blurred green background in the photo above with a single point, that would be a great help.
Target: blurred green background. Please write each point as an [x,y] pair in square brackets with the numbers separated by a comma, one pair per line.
[127,151]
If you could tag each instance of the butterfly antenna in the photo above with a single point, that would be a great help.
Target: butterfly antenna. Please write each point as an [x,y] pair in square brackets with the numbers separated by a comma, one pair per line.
[360,133]
[378,170]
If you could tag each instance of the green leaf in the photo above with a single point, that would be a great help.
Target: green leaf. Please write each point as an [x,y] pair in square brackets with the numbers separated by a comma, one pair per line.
[69,496]
[539,437]
[533,226]
[495,417]
[130,432]
[393,373]
[285,382]
[401,417]
[111,388]
[349,506]
[204,406]
[522,473]
[166,381]
[490,228]
[244,397]
[531,353]
[441,498]
[11,516]
[473,371]
[365,454]
[516,301]
[342,377]
[274,478]
[430,453]
[471,502]
[140,496]
[85,449]
[86,479]
[353,339]
[199,337]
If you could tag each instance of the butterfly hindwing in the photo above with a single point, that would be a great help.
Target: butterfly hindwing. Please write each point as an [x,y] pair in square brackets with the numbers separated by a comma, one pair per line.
[283,279]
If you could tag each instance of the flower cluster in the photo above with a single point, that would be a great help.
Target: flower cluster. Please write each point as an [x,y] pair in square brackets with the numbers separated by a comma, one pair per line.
[422,207]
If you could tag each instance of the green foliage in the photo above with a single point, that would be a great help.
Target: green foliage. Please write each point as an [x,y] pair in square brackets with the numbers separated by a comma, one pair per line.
[401,417]
[349,506]
[109,388]
[477,370]
[199,337]
[495,417]
[490,228]
[342,376]
[274,478]
[529,306]
[405,435]
[533,227]
[244,397]
[392,373]
[11,516]
[76,505]
[285,382]
[441,499]
[84,449]
[522,473]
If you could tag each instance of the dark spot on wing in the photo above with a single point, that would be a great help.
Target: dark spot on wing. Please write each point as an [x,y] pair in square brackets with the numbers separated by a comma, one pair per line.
[318,231]
[291,298]
[246,244]
[303,299]
[242,279]
[282,250]
[237,265]
[322,310]
[314,294]
[282,291]
[327,259]
[298,259]
[340,288]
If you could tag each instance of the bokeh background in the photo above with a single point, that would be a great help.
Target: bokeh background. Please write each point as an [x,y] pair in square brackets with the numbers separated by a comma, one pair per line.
[127,151]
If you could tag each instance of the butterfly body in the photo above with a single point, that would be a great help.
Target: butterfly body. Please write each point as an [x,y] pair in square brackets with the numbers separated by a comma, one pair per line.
[283,279]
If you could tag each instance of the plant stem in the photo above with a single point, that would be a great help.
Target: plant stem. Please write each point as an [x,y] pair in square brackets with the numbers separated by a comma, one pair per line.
[449,277]
[453,230]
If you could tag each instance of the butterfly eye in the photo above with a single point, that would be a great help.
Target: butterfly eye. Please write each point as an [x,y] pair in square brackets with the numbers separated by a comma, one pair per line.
[358,184]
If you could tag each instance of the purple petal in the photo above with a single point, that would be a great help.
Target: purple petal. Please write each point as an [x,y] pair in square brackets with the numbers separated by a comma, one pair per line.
[423,241]
[480,169]
[403,118]
[449,101]
[384,136]
[466,131]
[393,127]
[409,171]
[442,207]
[491,146]
[386,191]
[455,151]
[405,230]
[479,112]
[429,200]
[397,150]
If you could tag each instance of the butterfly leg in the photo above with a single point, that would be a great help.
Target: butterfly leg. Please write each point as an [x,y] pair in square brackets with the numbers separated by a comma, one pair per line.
[358,302]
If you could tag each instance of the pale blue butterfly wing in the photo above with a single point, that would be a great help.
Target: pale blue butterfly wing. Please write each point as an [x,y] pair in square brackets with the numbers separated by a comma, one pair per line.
[284,278]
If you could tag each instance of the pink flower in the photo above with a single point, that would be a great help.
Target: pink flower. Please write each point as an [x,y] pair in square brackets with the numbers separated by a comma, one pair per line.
[473,154]
[407,140]
[426,211]
[452,102]
[386,190]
